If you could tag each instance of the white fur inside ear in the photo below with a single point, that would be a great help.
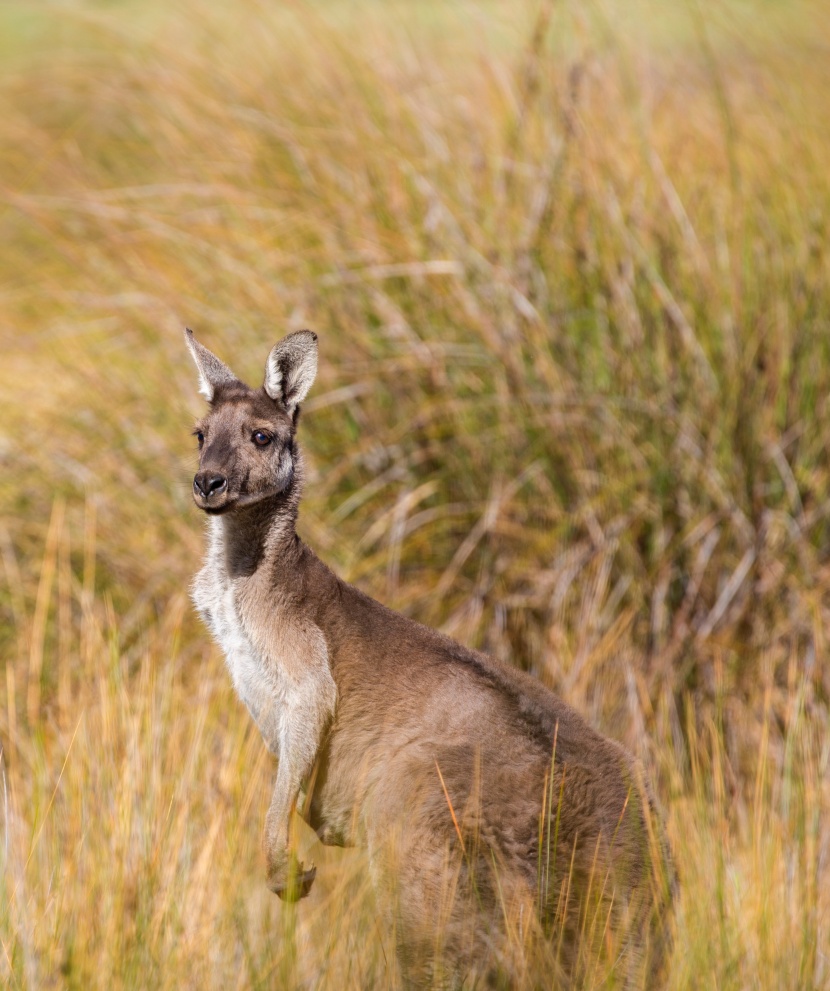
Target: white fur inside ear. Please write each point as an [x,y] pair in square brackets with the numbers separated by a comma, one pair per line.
[205,388]
[291,369]
[212,371]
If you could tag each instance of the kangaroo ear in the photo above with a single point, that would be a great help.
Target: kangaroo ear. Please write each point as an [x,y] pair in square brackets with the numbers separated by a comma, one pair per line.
[291,369]
[213,373]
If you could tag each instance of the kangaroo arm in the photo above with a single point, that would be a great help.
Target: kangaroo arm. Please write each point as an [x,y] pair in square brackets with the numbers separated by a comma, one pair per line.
[307,709]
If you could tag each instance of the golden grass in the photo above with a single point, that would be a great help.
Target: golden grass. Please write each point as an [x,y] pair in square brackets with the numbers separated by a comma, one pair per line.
[569,267]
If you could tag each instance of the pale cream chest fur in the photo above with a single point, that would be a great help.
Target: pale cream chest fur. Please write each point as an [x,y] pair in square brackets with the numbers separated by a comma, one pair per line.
[279,669]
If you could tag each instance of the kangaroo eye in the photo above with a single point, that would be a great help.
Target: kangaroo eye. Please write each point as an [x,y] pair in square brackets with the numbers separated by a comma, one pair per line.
[261,439]
[199,436]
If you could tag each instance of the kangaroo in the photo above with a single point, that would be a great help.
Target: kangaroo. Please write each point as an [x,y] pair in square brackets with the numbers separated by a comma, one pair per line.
[479,794]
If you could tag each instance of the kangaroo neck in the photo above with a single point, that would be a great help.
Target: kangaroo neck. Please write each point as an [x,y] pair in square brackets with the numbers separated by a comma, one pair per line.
[262,535]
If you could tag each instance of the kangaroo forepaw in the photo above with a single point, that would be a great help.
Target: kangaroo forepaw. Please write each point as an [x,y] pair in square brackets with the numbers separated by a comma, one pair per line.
[290,879]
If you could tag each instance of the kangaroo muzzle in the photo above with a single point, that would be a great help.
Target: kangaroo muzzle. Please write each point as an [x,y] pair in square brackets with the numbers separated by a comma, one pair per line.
[210,489]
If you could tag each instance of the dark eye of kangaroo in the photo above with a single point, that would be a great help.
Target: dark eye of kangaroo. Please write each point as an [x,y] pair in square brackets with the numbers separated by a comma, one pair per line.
[199,436]
[261,439]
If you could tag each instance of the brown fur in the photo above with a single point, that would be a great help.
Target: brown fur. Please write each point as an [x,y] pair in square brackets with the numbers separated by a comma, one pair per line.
[481,796]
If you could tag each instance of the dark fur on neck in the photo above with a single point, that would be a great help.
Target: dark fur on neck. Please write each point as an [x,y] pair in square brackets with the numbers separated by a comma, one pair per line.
[266,527]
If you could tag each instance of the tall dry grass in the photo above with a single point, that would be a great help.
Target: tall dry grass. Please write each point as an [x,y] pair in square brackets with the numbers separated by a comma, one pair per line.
[569,267]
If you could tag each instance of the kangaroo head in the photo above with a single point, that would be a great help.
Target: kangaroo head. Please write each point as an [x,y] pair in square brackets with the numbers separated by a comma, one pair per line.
[246,439]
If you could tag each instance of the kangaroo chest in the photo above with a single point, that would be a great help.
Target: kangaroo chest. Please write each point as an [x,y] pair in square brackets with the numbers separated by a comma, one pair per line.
[260,680]
[277,657]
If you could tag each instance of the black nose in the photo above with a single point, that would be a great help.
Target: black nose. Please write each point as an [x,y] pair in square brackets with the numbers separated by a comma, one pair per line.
[207,484]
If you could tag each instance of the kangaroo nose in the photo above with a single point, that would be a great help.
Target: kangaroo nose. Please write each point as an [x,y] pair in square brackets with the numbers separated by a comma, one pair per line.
[207,484]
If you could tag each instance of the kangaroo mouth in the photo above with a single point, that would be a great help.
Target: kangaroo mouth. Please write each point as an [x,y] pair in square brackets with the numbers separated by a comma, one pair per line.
[214,507]
[226,503]
[218,510]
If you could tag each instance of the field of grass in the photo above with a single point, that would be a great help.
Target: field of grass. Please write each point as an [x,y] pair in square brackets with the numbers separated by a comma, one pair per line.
[570,269]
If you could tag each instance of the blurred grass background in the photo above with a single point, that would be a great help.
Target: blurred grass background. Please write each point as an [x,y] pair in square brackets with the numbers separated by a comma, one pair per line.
[569,267]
